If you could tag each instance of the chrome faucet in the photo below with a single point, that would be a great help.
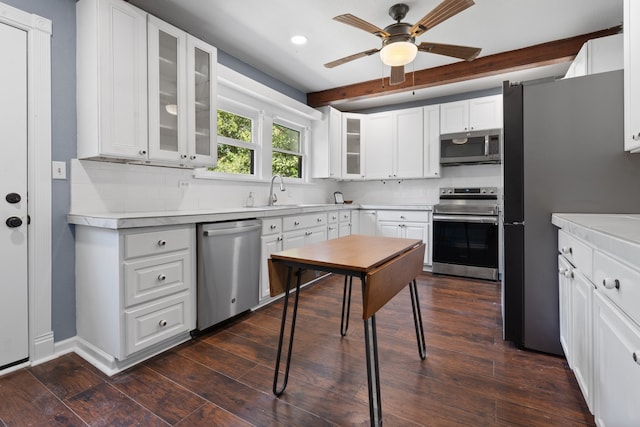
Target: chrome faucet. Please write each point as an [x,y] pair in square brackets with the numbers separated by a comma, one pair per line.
[272,197]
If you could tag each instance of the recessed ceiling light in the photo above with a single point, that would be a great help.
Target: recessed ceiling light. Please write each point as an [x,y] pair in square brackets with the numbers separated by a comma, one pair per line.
[299,40]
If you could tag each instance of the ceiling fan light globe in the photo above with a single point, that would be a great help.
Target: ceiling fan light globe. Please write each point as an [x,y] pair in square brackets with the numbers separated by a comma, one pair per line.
[398,53]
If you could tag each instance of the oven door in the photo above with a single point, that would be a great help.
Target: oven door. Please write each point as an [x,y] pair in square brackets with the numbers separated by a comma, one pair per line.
[467,241]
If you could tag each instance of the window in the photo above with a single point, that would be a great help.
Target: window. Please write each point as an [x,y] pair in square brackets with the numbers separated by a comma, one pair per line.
[287,158]
[236,146]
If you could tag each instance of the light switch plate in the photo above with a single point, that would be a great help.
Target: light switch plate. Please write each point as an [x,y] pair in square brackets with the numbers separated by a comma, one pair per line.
[59,170]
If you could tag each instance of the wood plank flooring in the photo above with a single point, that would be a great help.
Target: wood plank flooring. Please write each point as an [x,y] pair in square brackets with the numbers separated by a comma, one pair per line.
[224,378]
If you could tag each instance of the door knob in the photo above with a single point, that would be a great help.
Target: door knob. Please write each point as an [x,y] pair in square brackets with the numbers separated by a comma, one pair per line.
[13,222]
[13,198]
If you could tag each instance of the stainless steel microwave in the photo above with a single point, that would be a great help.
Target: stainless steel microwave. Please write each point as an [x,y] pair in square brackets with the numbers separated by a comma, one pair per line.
[474,147]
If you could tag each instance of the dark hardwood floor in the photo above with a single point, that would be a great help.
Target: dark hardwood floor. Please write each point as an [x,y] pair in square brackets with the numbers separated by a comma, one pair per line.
[224,378]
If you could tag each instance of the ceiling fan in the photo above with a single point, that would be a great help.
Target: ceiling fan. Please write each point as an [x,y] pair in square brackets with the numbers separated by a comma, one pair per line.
[398,39]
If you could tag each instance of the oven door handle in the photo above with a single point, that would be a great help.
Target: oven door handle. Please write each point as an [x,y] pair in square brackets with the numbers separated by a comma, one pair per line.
[467,218]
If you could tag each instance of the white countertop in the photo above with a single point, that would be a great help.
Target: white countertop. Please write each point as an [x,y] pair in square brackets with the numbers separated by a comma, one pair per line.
[618,234]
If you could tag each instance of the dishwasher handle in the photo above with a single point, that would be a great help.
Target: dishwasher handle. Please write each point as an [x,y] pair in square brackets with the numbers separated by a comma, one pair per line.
[231,230]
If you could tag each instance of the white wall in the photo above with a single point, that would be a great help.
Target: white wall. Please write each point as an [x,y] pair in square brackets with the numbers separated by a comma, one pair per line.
[421,191]
[103,187]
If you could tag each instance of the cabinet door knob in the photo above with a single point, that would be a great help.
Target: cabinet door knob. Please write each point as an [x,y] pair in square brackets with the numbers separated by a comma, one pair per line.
[279,238]
[611,283]
[273,226]
[296,222]
[162,323]
[183,156]
[162,277]
[143,152]
[568,274]
[566,249]
[636,357]
[193,157]
[162,242]
[636,137]
[319,219]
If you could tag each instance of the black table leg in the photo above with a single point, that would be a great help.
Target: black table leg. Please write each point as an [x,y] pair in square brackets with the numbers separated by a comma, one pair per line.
[373,373]
[277,391]
[346,302]
[417,319]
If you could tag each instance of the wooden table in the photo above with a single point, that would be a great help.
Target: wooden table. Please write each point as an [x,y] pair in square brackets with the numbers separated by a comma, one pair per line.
[385,266]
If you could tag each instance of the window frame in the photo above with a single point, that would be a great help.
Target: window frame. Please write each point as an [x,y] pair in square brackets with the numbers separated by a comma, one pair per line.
[255,116]
[302,143]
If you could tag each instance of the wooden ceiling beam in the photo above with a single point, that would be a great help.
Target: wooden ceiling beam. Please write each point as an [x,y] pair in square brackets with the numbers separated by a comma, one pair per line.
[539,55]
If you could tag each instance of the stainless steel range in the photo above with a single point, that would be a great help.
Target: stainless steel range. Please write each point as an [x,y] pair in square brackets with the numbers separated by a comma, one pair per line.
[465,232]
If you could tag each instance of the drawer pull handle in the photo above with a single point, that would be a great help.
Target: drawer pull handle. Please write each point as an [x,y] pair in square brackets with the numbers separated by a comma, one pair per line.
[610,283]
[162,323]
[162,277]
[279,239]
[296,222]
[562,270]
[319,219]
[273,226]
[636,357]
[568,274]
[162,242]
[566,249]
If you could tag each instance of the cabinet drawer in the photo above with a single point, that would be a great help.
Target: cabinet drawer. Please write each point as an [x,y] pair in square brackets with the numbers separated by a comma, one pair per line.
[154,322]
[157,242]
[345,216]
[417,216]
[576,252]
[618,282]
[157,277]
[303,221]
[271,226]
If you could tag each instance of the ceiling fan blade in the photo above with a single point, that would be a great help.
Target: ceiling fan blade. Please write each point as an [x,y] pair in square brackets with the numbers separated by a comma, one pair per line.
[354,21]
[351,58]
[463,52]
[397,75]
[440,13]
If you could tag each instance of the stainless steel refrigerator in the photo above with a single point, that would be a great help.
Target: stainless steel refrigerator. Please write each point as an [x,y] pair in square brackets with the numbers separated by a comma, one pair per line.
[563,152]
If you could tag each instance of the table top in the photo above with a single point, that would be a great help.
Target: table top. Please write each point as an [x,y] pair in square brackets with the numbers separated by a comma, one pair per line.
[355,252]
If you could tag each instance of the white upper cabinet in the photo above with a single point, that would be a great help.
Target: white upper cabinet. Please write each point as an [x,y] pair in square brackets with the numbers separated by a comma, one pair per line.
[181,97]
[409,146]
[146,90]
[326,146]
[431,141]
[473,114]
[111,80]
[380,146]
[598,56]
[631,37]
[395,144]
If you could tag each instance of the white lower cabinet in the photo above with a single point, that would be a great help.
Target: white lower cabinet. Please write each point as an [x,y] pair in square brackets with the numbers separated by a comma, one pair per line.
[270,242]
[617,367]
[406,224]
[135,291]
[600,328]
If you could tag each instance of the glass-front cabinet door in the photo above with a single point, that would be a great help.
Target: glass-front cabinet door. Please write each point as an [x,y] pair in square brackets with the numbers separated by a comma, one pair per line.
[202,127]
[353,146]
[167,47]
[182,101]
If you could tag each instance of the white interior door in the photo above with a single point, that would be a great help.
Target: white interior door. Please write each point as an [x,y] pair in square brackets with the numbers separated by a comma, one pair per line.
[14,336]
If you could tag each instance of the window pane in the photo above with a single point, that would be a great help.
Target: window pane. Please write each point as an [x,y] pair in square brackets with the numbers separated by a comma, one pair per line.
[287,165]
[285,139]
[234,126]
[232,159]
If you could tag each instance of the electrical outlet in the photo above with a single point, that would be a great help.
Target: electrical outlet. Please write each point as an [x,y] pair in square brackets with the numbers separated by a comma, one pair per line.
[183,184]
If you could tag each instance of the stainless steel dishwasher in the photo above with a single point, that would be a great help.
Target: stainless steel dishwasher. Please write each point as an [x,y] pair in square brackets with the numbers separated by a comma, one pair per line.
[228,269]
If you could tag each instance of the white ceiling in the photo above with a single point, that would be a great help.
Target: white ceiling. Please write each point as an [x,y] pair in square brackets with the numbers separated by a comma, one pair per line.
[257,32]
